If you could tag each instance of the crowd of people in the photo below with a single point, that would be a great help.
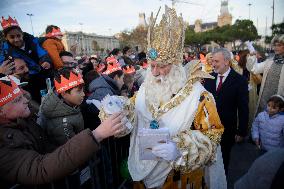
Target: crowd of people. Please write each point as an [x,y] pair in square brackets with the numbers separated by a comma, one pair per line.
[54,125]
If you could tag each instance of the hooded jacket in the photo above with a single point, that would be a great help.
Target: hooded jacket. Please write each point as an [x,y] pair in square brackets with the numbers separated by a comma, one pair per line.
[33,54]
[59,120]
[54,47]
[103,86]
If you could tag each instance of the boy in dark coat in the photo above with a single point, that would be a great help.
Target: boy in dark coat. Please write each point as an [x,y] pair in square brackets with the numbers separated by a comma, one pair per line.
[60,113]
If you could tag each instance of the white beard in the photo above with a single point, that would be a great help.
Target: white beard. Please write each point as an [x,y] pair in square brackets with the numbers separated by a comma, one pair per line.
[159,90]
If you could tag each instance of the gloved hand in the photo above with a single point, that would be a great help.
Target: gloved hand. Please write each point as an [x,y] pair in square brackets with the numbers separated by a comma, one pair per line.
[250,47]
[167,151]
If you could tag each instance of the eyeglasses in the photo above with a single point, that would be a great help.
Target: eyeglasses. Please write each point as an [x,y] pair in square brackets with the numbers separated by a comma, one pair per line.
[70,64]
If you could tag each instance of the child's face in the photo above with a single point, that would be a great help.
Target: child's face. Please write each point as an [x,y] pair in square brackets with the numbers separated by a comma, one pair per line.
[272,109]
[75,97]
[15,37]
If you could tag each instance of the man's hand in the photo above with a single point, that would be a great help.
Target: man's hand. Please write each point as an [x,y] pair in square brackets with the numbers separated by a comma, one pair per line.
[111,126]
[167,151]
[45,65]
[239,138]
[7,67]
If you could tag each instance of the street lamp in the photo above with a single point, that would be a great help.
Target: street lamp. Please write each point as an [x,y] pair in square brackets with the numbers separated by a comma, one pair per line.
[249,9]
[81,24]
[30,15]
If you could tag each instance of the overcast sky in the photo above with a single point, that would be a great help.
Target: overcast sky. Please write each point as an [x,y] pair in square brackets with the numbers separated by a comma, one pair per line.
[107,17]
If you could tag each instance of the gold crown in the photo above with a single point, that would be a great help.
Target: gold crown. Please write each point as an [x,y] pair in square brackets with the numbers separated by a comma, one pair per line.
[166,40]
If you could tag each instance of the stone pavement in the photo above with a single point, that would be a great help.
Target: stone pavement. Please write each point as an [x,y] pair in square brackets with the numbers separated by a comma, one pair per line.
[242,157]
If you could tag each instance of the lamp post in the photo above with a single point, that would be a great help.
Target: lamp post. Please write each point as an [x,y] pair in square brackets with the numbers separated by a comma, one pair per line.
[249,9]
[81,26]
[272,12]
[30,15]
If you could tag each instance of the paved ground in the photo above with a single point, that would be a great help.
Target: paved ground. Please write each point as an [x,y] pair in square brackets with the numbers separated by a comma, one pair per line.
[242,156]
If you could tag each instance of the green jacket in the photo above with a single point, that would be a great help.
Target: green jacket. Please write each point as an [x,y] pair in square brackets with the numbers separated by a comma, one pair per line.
[60,121]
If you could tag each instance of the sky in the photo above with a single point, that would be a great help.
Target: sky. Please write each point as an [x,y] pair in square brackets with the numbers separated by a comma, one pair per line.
[108,17]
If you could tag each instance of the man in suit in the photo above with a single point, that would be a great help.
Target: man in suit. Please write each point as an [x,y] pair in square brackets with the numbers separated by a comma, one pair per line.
[230,91]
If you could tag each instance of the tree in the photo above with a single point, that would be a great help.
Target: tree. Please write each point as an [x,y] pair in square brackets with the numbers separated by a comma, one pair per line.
[244,30]
[276,30]
[136,37]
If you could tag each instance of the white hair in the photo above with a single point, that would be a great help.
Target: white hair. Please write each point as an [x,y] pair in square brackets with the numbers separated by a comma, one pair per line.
[160,89]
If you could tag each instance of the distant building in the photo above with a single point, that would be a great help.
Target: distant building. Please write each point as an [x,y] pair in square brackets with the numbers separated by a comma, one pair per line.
[89,43]
[202,27]
[225,18]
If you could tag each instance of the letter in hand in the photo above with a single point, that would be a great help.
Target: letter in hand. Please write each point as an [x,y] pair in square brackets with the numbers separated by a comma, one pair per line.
[111,126]
[166,151]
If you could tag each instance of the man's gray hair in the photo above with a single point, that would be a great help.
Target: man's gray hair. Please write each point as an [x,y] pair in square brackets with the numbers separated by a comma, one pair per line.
[278,38]
[226,53]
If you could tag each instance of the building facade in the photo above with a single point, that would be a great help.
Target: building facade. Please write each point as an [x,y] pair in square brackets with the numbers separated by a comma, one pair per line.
[88,44]
[225,18]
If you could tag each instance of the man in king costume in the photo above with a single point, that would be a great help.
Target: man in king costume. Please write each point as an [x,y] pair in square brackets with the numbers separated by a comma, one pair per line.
[173,98]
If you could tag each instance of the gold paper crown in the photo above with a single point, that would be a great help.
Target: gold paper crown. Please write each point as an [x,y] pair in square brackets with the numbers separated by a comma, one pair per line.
[166,40]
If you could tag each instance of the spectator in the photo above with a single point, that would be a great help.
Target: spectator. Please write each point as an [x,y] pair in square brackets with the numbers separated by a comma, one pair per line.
[186,58]
[53,45]
[25,155]
[60,115]
[22,45]
[101,67]
[141,72]
[230,91]
[253,81]
[273,72]
[129,87]
[268,126]
[68,59]
[116,53]
[110,82]
[125,59]
[21,70]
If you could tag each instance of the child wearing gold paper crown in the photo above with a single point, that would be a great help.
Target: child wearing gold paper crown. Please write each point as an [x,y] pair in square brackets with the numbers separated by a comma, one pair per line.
[61,115]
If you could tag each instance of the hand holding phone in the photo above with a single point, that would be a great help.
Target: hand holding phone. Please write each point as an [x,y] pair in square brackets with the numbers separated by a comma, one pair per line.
[7,67]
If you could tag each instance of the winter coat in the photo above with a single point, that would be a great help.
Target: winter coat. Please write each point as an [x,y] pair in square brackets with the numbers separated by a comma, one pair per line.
[270,130]
[264,68]
[103,86]
[60,120]
[26,159]
[34,55]
[54,47]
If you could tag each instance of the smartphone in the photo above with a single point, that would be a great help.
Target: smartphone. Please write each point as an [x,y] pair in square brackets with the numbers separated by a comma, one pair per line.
[11,61]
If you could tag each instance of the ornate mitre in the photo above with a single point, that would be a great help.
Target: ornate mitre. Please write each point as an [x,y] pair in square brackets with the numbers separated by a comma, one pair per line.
[166,40]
